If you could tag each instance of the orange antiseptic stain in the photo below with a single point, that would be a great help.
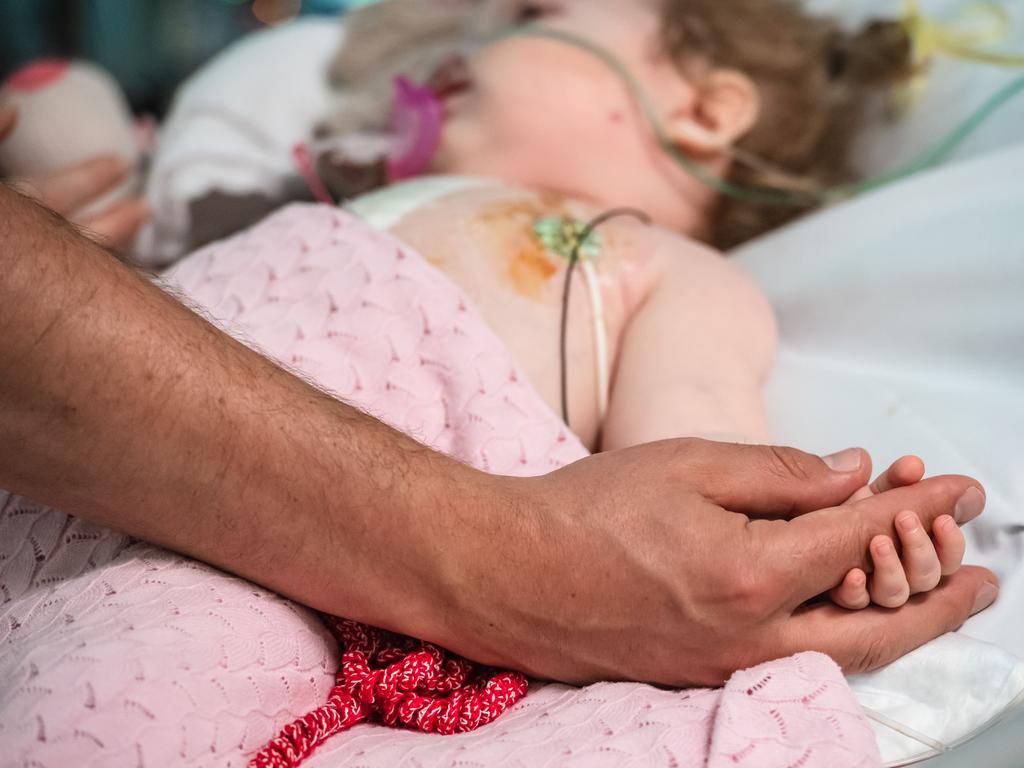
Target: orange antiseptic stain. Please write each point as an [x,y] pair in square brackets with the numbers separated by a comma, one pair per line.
[528,266]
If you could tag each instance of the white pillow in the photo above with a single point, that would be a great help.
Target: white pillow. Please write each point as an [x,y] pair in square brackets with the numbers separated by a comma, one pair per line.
[233,124]
[902,326]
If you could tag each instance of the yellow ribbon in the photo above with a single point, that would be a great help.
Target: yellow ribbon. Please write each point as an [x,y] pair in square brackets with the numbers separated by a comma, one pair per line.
[970,37]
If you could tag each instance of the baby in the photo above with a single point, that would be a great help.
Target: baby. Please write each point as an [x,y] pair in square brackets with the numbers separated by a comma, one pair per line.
[665,338]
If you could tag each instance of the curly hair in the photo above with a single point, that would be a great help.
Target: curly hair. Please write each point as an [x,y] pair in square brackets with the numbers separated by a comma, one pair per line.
[816,83]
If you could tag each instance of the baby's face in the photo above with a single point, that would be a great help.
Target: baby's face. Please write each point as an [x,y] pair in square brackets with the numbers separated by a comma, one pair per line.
[545,114]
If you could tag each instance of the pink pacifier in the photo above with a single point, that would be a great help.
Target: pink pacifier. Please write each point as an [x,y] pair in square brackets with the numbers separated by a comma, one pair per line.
[418,119]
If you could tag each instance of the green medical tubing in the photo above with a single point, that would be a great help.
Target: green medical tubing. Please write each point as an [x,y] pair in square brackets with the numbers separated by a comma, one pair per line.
[771,195]
[947,146]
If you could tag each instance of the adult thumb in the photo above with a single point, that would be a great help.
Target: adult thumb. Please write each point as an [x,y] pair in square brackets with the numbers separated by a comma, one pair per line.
[771,481]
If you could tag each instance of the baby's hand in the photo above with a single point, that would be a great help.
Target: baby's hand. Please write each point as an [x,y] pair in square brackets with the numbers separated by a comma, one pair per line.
[925,560]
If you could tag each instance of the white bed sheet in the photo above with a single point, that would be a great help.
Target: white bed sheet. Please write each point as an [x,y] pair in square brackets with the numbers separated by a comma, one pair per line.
[902,325]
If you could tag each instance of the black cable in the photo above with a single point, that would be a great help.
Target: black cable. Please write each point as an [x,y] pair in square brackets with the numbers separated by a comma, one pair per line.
[574,258]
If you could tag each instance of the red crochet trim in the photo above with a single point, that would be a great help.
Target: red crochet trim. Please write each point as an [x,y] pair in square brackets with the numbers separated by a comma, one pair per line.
[400,682]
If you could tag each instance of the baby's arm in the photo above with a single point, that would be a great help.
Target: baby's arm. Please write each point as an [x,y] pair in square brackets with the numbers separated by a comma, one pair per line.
[695,353]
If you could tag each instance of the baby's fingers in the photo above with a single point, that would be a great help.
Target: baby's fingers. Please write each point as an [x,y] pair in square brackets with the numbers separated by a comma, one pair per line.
[949,544]
[920,560]
[889,586]
[903,472]
[852,594]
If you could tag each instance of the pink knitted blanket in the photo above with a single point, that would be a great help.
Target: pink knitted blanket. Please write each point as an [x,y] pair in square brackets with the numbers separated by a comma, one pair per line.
[116,653]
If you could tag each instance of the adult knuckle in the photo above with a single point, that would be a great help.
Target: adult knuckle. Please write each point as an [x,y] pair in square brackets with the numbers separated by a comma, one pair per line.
[784,556]
[938,497]
[750,593]
[870,653]
[847,544]
[787,464]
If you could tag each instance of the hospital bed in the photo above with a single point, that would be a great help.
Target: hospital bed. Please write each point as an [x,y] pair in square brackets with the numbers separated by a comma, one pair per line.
[941,253]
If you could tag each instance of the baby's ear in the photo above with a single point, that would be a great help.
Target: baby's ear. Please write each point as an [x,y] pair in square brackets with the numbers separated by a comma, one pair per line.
[725,108]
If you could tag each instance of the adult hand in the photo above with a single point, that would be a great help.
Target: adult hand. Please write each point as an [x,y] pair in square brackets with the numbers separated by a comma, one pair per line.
[72,190]
[683,561]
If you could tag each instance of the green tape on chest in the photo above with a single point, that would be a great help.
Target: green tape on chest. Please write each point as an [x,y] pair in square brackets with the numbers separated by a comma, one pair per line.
[561,236]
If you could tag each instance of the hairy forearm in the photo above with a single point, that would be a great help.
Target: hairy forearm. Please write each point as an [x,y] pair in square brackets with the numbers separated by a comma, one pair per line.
[121,406]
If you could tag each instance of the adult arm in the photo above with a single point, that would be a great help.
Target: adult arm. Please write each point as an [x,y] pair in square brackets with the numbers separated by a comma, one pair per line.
[121,406]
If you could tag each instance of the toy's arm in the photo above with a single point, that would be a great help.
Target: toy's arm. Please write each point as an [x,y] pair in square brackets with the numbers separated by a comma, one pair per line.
[73,191]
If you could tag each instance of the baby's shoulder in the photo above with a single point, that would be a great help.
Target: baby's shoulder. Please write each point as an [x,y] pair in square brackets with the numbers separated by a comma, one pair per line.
[725,302]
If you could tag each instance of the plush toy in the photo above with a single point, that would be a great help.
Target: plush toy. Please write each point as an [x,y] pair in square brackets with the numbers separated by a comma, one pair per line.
[69,112]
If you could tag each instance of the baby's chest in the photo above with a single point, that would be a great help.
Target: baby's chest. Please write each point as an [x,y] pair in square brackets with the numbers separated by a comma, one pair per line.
[508,252]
